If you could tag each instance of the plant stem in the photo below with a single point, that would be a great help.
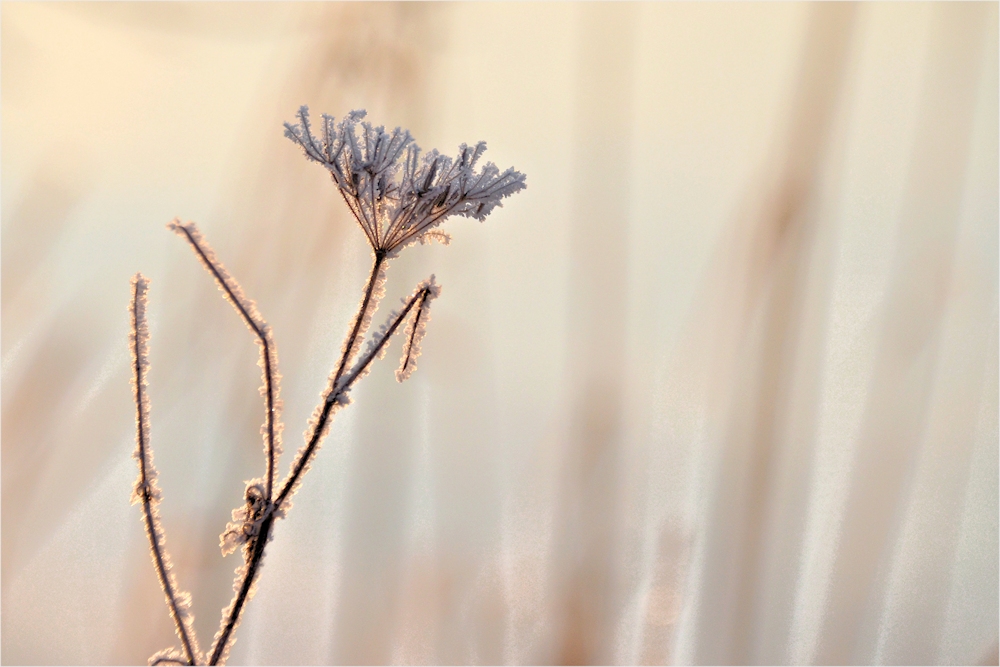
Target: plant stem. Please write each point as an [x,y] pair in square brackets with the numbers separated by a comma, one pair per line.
[259,328]
[140,335]
[250,573]
[333,392]
[256,547]
[353,336]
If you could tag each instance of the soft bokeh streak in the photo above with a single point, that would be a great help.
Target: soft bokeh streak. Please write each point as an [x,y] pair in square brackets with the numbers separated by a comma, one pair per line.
[720,386]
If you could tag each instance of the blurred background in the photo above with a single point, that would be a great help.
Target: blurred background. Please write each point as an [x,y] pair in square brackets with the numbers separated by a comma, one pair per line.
[721,386]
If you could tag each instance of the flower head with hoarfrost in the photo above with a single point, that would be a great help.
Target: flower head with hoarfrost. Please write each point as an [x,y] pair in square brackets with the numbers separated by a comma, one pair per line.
[397,195]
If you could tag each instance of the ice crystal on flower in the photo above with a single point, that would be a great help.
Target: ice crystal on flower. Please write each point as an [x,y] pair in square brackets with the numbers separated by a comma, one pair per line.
[397,195]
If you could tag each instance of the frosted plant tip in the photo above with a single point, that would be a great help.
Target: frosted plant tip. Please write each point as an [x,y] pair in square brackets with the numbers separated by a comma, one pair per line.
[397,195]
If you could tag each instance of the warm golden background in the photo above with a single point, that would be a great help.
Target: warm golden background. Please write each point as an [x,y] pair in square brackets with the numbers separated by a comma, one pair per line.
[720,386]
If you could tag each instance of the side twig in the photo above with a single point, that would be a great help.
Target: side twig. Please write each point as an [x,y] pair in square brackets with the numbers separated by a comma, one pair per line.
[146,491]
[337,394]
[268,352]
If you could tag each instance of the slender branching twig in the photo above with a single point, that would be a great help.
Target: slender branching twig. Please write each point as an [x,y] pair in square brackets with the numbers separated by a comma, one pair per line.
[334,396]
[249,521]
[394,211]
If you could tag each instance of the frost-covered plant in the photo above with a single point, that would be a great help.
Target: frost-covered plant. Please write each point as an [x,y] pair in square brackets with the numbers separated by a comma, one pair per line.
[398,197]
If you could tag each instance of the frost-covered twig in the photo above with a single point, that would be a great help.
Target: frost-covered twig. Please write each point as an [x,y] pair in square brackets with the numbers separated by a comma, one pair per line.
[373,293]
[340,385]
[268,351]
[418,302]
[416,329]
[146,491]
[331,398]
[336,394]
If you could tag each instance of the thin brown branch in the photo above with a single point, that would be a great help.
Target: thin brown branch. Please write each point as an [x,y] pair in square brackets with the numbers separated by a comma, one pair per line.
[363,317]
[272,428]
[145,490]
[411,348]
[361,368]
[322,414]
[245,581]
[255,322]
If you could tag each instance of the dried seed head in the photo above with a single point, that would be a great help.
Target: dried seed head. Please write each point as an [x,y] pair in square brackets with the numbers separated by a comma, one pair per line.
[396,195]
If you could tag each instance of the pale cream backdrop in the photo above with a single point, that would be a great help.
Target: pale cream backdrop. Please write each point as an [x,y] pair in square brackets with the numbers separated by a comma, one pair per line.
[719,387]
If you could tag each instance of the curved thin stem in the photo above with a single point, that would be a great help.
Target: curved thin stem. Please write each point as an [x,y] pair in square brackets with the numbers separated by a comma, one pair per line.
[259,328]
[145,486]
[250,573]
[416,328]
[332,393]
[359,217]
[352,338]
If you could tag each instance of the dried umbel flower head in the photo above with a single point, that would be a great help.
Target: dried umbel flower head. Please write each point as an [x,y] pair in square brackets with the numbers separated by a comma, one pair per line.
[396,195]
